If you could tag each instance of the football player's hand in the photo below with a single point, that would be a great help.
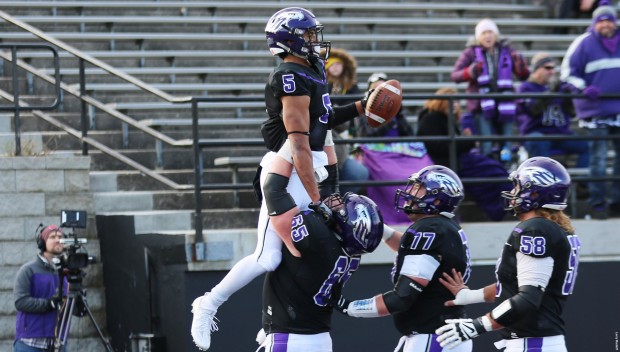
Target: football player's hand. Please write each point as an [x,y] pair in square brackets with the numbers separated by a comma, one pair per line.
[454,283]
[364,100]
[341,304]
[457,331]
[323,210]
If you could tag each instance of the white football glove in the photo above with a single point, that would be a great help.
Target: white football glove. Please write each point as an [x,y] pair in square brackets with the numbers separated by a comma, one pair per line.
[457,331]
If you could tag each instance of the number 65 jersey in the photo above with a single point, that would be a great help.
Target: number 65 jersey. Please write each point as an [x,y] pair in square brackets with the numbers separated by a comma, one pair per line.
[296,295]
[539,238]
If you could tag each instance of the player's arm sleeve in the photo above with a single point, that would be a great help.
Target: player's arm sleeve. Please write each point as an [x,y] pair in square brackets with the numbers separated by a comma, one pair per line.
[344,113]
[415,269]
[533,277]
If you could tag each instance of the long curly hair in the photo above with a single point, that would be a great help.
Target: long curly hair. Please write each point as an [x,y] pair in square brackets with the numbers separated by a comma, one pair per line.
[556,216]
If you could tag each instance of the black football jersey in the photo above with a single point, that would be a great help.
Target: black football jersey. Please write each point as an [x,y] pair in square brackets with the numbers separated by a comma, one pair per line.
[296,295]
[540,238]
[295,80]
[444,240]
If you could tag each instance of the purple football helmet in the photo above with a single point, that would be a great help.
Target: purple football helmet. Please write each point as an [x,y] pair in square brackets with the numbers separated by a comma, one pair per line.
[296,31]
[358,222]
[444,192]
[539,182]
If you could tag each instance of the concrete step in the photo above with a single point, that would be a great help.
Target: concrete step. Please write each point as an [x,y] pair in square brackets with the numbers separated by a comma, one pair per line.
[182,221]
[130,180]
[169,200]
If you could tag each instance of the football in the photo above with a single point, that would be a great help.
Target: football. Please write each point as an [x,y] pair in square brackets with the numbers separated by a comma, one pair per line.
[384,103]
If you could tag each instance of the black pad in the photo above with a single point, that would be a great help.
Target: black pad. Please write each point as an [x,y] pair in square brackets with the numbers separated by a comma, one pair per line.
[278,200]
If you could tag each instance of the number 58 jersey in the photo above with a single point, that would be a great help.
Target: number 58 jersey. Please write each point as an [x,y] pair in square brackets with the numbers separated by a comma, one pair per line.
[539,238]
[296,295]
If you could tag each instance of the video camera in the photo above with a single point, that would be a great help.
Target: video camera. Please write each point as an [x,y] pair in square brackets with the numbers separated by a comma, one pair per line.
[74,257]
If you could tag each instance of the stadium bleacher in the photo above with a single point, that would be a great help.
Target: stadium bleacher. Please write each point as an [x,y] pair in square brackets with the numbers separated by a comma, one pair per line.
[212,48]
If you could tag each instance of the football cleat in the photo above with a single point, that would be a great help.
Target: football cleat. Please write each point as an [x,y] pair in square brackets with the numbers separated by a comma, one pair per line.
[203,324]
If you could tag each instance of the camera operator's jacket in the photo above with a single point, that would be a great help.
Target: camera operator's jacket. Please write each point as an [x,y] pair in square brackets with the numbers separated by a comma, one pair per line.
[36,282]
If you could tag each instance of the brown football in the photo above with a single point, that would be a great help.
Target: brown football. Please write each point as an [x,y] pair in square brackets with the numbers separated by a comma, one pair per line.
[384,103]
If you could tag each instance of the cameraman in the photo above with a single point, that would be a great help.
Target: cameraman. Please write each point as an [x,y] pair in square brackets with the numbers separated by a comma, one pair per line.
[37,295]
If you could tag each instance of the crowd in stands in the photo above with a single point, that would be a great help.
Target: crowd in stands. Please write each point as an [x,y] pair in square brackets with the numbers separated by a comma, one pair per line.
[490,65]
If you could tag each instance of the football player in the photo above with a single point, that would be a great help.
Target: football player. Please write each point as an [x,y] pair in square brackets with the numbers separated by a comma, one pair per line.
[536,272]
[297,133]
[296,296]
[434,243]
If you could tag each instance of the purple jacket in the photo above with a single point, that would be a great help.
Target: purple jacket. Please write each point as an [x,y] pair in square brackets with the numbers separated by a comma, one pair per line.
[468,56]
[35,283]
[588,62]
[547,116]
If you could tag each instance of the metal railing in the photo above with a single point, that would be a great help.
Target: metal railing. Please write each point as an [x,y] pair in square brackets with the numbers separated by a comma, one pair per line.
[452,139]
[199,144]
[16,107]
[87,101]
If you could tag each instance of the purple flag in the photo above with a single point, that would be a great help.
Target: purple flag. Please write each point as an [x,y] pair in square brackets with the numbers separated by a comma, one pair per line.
[385,166]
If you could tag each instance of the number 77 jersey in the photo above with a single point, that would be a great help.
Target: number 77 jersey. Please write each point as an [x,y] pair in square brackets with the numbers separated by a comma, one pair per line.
[540,238]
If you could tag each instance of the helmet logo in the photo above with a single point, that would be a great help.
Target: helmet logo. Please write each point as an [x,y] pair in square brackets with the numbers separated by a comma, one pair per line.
[447,183]
[276,23]
[539,176]
[361,224]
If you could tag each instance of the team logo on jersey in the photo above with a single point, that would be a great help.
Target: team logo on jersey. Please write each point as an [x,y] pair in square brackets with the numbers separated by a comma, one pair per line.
[447,183]
[361,225]
[539,176]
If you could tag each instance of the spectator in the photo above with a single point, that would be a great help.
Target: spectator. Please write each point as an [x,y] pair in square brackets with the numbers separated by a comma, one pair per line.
[397,127]
[38,295]
[591,67]
[568,9]
[538,117]
[341,68]
[488,65]
[349,167]
[433,121]
[341,74]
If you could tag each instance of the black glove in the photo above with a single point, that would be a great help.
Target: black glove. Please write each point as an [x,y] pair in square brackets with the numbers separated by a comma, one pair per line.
[475,69]
[323,210]
[341,304]
[55,301]
[364,100]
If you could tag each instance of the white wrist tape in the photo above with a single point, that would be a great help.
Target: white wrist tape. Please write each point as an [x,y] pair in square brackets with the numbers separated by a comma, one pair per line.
[467,296]
[329,139]
[486,322]
[320,174]
[364,308]
[388,232]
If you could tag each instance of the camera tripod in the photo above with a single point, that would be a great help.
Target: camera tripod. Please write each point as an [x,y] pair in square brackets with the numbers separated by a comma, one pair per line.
[77,305]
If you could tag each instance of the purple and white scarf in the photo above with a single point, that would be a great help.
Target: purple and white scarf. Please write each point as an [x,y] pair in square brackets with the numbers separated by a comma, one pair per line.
[505,110]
